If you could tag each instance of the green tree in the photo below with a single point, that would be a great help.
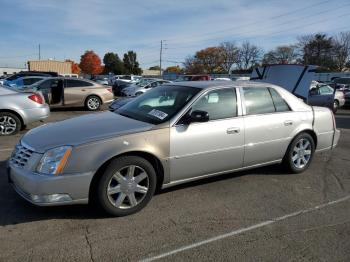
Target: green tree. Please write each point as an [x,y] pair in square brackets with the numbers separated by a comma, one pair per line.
[113,64]
[318,50]
[131,64]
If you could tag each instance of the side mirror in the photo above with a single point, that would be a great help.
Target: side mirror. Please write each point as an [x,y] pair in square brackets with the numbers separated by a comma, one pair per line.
[198,116]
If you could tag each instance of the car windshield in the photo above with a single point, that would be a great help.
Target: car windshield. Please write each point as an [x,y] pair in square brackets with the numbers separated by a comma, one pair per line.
[159,104]
[143,82]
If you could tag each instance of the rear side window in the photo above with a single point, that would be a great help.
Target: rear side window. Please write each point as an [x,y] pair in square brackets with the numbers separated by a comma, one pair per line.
[76,83]
[258,101]
[280,104]
[219,104]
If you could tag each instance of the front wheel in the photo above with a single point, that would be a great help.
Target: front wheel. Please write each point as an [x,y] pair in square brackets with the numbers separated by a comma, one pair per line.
[127,185]
[299,153]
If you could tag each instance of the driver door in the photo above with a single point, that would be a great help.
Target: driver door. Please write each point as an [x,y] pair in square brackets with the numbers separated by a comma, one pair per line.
[198,149]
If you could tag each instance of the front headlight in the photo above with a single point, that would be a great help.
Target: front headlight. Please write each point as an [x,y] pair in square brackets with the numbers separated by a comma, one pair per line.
[54,160]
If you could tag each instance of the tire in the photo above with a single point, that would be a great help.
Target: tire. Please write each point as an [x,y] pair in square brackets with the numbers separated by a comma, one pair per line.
[10,124]
[305,145]
[128,194]
[335,106]
[93,103]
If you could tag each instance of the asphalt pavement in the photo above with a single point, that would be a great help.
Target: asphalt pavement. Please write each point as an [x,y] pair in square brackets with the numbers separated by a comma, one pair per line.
[258,215]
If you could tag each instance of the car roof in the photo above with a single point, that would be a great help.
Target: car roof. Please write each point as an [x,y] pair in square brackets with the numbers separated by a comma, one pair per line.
[219,83]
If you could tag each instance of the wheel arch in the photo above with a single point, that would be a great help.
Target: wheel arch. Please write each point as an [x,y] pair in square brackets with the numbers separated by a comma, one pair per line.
[154,161]
[308,131]
[16,114]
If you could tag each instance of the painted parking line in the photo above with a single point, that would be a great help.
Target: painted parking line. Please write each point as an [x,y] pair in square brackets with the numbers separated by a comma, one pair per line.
[6,149]
[246,229]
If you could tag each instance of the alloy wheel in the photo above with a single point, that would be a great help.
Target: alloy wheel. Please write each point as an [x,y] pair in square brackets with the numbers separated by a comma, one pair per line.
[8,125]
[128,187]
[93,103]
[301,154]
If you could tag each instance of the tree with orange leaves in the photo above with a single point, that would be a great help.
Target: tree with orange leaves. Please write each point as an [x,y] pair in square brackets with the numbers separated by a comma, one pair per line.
[75,67]
[90,63]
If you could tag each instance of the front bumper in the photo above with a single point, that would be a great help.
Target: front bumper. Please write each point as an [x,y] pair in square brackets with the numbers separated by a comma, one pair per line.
[44,190]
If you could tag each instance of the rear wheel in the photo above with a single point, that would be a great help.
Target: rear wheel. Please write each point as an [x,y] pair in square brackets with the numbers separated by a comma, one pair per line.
[127,185]
[10,124]
[299,154]
[93,103]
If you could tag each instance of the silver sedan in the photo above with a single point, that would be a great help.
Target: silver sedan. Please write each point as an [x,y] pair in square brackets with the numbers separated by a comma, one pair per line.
[17,109]
[166,137]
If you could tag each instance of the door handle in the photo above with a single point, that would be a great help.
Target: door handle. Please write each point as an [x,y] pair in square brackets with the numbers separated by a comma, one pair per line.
[233,130]
[288,123]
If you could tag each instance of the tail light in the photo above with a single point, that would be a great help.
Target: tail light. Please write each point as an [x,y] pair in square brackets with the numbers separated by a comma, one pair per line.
[110,90]
[36,98]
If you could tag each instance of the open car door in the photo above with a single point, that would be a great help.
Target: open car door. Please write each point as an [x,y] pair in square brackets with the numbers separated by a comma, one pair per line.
[295,78]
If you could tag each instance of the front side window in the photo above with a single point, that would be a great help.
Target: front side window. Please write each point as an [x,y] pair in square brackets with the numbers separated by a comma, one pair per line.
[159,104]
[219,104]
[258,101]
[325,90]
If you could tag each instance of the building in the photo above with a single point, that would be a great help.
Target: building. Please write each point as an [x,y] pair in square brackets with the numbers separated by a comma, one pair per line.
[147,72]
[59,67]
[11,70]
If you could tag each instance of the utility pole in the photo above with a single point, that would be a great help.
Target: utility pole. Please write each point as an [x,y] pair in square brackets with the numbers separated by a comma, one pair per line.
[160,57]
[39,53]
[162,47]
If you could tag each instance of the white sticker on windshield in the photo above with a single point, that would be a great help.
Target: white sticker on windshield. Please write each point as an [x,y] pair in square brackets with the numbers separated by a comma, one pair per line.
[159,114]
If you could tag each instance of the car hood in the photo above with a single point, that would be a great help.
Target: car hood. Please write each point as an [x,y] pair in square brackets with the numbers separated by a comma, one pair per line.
[83,129]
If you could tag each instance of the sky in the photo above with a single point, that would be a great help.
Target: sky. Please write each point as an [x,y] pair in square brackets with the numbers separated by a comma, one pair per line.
[65,29]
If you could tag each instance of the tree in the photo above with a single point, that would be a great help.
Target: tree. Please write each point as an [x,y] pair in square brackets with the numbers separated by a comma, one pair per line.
[342,50]
[90,63]
[229,55]
[248,56]
[281,55]
[192,66]
[318,50]
[113,64]
[174,69]
[130,63]
[75,67]
[211,58]
[154,68]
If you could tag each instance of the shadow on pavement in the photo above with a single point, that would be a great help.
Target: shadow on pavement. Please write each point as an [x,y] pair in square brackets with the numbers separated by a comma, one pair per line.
[15,210]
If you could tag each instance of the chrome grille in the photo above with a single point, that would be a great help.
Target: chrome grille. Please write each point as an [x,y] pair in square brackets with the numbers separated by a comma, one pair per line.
[21,155]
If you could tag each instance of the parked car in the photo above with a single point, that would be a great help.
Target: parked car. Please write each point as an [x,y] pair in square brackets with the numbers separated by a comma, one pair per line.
[29,73]
[166,137]
[222,79]
[23,82]
[139,89]
[102,82]
[324,95]
[17,109]
[119,102]
[73,92]
[193,78]
[127,78]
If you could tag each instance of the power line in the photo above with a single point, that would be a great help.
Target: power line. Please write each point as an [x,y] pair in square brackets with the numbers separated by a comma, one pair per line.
[269,27]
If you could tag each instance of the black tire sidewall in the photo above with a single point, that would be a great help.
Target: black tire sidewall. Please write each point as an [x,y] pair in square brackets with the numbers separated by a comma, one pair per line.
[289,154]
[110,171]
[87,100]
[17,120]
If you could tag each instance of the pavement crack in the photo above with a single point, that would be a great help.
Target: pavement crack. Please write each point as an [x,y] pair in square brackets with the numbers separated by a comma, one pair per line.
[86,235]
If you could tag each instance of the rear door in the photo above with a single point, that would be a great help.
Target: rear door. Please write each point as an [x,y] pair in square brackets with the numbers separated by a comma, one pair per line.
[269,125]
[75,91]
